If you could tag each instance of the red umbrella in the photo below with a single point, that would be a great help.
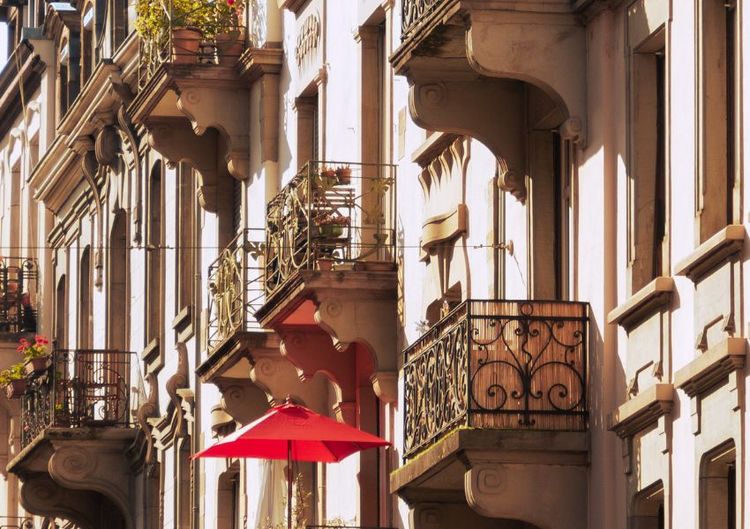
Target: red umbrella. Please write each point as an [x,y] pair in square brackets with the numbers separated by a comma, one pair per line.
[294,433]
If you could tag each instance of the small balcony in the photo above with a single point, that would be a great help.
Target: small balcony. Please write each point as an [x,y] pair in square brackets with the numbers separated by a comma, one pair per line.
[76,461]
[330,275]
[18,289]
[417,14]
[495,402]
[81,388]
[497,364]
[235,293]
[332,216]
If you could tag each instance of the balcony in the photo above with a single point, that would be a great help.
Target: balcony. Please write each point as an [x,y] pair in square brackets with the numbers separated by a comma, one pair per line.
[235,293]
[330,274]
[194,89]
[18,288]
[497,390]
[75,420]
[327,221]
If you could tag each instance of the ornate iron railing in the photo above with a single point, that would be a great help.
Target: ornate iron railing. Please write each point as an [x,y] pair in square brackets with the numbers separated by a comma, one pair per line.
[79,388]
[414,13]
[18,289]
[235,282]
[497,364]
[188,33]
[332,215]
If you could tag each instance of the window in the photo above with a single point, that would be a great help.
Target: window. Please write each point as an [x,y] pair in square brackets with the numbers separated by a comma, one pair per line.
[308,139]
[61,326]
[229,499]
[117,274]
[648,175]
[84,300]
[717,196]
[87,43]
[186,236]
[718,488]
[648,508]
[154,248]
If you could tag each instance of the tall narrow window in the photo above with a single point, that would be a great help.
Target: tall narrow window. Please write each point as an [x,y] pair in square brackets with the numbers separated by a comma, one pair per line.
[308,138]
[186,234]
[84,301]
[61,314]
[154,249]
[62,79]
[117,276]
[87,43]
[648,186]
[717,196]
[648,508]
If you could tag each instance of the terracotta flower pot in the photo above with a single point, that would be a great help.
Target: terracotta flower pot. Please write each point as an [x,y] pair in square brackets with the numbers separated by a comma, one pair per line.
[15,389]
[229,46]
[331,231]
[185,45]
[344,175]
[36,366]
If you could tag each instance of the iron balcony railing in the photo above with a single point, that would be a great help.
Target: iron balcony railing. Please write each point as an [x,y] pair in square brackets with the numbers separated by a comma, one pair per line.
[497,364]
[338,526]
[16,522]
[416,13]
[18,289]
[235,283]
[79,388]
[189,32]
[332,215]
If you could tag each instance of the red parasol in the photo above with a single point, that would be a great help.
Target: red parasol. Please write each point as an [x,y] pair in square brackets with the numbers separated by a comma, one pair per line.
[294,433]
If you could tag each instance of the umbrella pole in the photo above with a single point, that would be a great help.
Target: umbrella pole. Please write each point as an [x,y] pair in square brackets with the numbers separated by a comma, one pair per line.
[289,485]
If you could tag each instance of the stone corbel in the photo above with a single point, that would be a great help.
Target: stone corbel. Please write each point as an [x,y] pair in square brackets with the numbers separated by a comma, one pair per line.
[241,399]
[502,490]
[226,110]
[278,378]
[149,410]
[574,131]
[176,140]
[313,353]
[369,322]
[41,496]
[91,466]
[177,382]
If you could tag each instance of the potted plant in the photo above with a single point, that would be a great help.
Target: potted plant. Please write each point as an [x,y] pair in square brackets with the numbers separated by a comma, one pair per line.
[228,31]
[12,379]
[35,355]
[344,175]
[325,179]
[331,225]
[182,22]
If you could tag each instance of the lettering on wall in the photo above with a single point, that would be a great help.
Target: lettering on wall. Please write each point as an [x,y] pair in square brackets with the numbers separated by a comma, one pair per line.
[307,38]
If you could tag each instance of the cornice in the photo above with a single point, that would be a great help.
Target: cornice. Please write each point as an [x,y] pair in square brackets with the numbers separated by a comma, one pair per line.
[23,69]
[639,412]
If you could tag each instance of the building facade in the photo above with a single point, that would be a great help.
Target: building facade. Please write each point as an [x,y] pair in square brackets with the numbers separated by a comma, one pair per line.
[506,236]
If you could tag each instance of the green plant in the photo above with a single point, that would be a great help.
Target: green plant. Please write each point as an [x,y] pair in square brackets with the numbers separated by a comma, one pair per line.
[155,18]
[14,372]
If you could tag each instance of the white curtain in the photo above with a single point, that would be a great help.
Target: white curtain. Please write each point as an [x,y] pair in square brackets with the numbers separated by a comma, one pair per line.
[271,500]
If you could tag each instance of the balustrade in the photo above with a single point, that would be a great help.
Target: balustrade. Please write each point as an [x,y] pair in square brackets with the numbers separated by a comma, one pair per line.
[18,289]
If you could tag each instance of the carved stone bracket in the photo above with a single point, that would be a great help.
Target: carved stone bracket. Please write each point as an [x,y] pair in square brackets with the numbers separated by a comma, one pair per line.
[226,110]
[175,139]
[41,496]
[148,410]
[94,466]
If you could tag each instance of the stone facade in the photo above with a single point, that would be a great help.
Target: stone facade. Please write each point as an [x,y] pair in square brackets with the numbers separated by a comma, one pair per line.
[506,236]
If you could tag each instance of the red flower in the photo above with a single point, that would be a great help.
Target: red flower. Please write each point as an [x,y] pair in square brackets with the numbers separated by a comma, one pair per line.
[41,340]
[230,2]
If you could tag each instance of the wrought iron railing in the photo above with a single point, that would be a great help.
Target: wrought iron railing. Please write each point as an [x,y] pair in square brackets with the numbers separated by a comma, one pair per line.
[235,282]
[415,13]
[18,289]
[337,526]
[191,32]
[332,215]
[497,364]
[79,388]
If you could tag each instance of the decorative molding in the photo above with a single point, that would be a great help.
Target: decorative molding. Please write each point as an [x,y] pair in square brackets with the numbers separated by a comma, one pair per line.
[444,227]
[655,295]
[711,367]
[639,412]
[726,243]
[308,38]
[149,410]
[510,181]
[292,5]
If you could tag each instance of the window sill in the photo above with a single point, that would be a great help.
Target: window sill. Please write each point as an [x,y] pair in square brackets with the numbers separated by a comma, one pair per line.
[727,242]
[641,411]
[711,367]
[656,294]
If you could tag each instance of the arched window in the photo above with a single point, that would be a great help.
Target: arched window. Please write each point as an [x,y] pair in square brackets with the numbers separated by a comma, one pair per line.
[117,275]
[61,324]
[63,62]
[84,300]
[718,488]
[154,247]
